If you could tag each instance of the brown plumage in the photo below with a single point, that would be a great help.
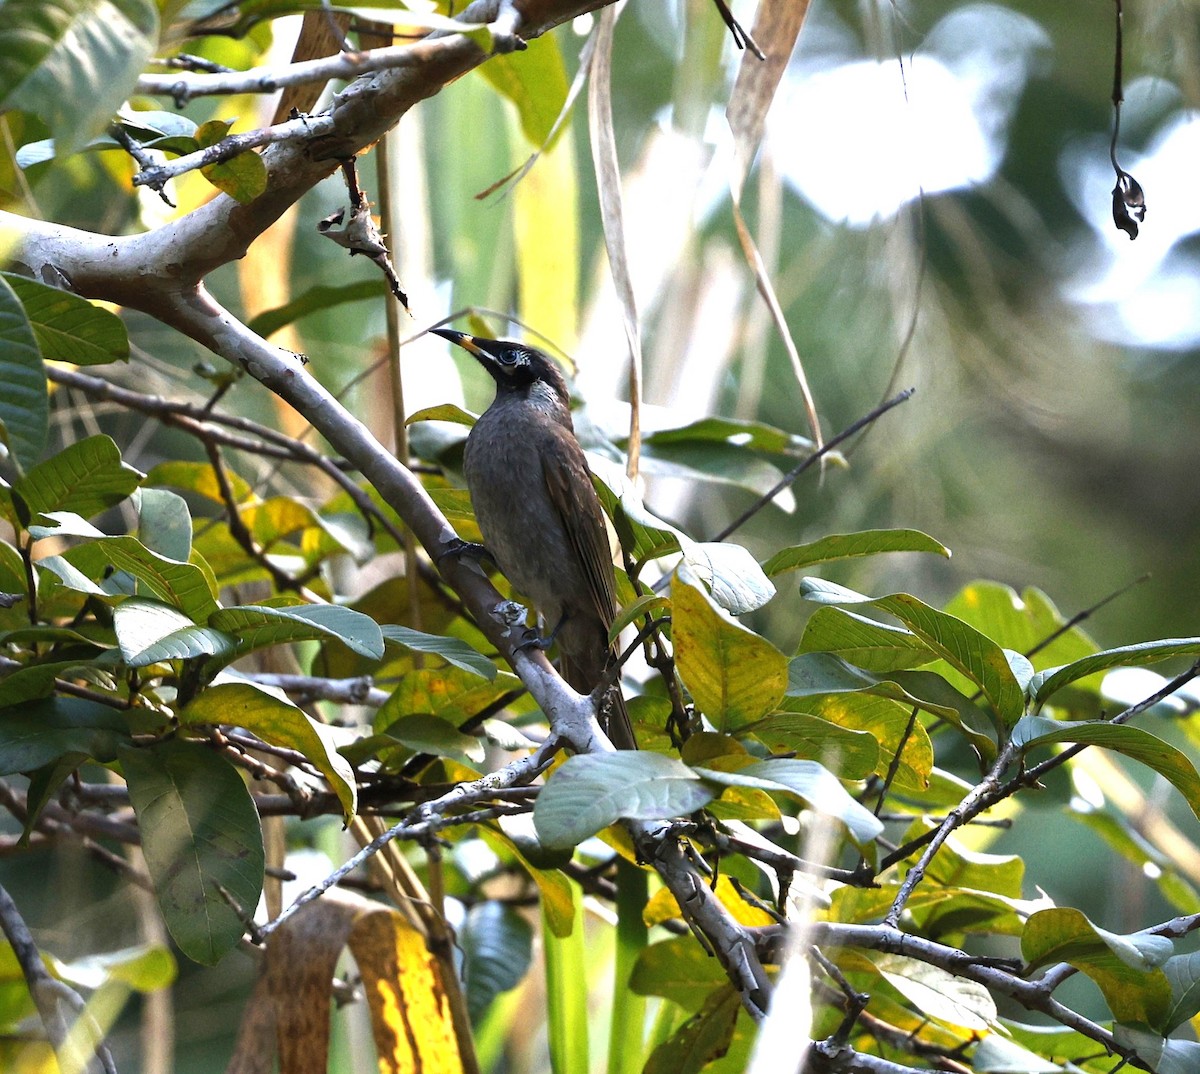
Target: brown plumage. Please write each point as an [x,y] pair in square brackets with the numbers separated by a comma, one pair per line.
[539,514]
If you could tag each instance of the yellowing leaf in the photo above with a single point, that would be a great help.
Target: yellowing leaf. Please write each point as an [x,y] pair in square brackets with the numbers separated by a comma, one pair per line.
[734,675]
[662,906]
[406,990]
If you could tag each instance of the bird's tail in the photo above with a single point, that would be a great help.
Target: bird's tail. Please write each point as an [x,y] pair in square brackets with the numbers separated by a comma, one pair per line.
[583,672]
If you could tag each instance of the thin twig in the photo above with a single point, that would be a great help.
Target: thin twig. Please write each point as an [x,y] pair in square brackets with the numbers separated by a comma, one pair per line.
[820,453]
[49,994]
[516,773]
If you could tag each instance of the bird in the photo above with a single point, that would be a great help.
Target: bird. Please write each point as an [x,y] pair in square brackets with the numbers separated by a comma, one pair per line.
[541,520]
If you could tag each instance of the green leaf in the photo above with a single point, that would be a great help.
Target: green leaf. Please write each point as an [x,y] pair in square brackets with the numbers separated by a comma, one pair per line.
[279,723]
[643,536]
[856,752]
[243,177]
[184,585]
[962,646]
[165,523]
[444,412]
[863,642]
[144,968]
[703,1038]
[447,692]
[72,62]
[69,328]
[31,682]
[591,791]
[997,1055]
[535,80]
[852,546]
[939,994]
[1183,975]
[1065,935]
[150,632]
[25,401]
[733,577]
[819,674]
[1133,742]
[431,734]
[85,478]
[257,626]
[726,464]
[1161,1055]
[566,989]
[1022,622]
[34,734]
[452,650]
[497,947]
[747,435]
[646,604]
[734,675]
[315,299]
[1048,682]
[198,477]
[678,969]
[812,782]
[202,842]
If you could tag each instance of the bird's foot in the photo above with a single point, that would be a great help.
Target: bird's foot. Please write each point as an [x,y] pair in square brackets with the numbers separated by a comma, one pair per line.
[534,640]
[461,549]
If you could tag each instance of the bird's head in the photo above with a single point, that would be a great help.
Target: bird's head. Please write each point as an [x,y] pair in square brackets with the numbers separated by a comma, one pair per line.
[514,366]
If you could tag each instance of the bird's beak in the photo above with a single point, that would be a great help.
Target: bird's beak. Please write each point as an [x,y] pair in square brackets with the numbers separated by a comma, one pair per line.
[461,338]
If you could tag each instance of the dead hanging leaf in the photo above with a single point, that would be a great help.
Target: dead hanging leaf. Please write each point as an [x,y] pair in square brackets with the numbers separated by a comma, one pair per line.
[360,235]
[608,184]
[777,22]
[405,984]
[1129,204]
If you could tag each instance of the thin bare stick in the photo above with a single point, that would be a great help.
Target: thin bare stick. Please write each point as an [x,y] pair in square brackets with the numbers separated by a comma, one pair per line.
[820,453]
[49,994]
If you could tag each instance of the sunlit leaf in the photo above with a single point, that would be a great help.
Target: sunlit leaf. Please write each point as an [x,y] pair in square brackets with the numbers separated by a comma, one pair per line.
[591,791]
[452,650]
[810,781]
[962,646]
[863,642]
[149,632]
[1133,742]
[243,177]
[1048,682]
[851,546]
[42,68]
[257,626]
[938,993]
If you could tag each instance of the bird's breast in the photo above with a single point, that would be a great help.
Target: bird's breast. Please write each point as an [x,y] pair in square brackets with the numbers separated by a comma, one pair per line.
[505,460]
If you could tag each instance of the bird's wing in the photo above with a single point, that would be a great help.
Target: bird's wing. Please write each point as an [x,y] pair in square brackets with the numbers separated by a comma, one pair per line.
[582,520]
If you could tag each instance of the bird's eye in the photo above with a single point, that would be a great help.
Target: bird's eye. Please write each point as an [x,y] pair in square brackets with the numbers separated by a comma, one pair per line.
[510,357]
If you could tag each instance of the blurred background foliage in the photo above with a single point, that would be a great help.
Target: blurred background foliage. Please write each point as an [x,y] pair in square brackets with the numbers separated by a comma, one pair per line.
[1053,438]
[932,201]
